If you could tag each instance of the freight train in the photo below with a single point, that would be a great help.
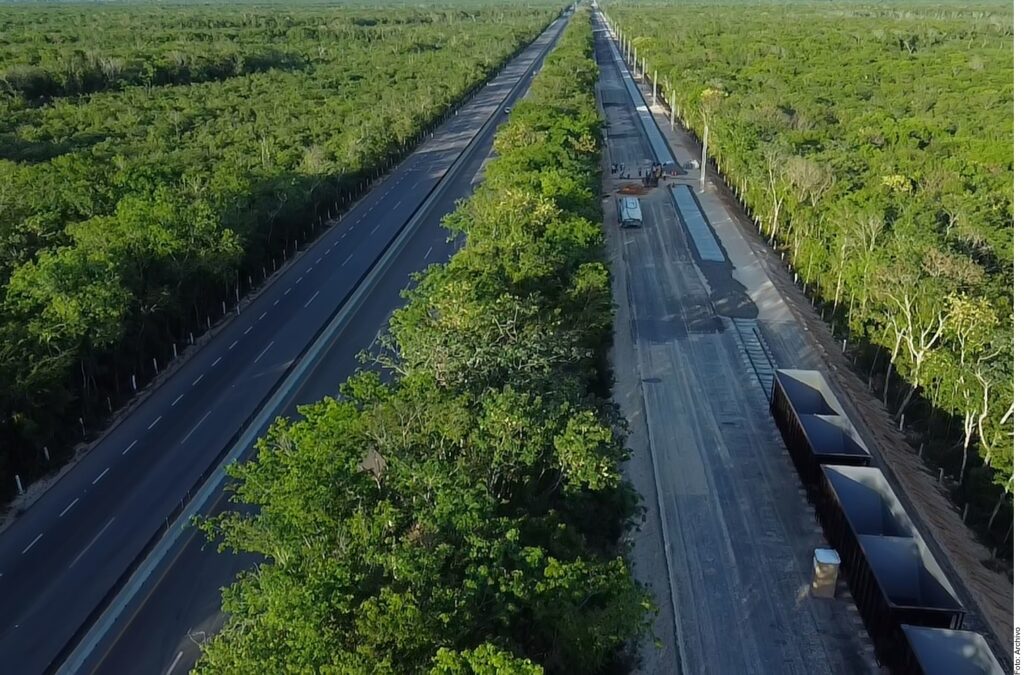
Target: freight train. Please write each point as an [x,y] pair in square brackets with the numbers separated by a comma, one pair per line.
[906,602]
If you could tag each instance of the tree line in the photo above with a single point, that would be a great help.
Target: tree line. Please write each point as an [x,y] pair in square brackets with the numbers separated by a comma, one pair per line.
[458,507]
[130,214]
[871,145]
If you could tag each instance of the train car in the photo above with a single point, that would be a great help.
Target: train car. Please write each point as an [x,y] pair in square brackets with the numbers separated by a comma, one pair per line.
[899,581]
[940,651]
[896,580]
[814,425]
[857,500]
[892,575]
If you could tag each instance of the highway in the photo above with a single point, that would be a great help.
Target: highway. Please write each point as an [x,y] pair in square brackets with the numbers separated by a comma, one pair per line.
[727,539]
[61,557]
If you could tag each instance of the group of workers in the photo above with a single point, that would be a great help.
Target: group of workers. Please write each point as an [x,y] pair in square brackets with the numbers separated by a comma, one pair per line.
[649,176]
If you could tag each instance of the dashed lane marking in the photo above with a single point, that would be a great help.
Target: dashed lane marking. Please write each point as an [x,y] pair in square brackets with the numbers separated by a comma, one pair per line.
[269,345]
[174,663]
[261,316]
[98,478]
[38,537]
[311,299]
[348,258]
[427,254]
[68,507]
[89,545]
[232,345]
[180,396]
[217,361]
[128,449]
[247,330]
[192,430]
[154,422]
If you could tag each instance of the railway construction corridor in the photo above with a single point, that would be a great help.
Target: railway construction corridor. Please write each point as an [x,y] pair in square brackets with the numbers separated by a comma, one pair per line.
[728,536]
[293,343]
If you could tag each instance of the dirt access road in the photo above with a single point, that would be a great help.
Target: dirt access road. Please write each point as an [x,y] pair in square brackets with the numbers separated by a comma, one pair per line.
[728,537]
[754,291]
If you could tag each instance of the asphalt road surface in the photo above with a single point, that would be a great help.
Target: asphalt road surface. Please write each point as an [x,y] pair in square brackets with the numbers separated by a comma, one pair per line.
[727,539]
[65,553]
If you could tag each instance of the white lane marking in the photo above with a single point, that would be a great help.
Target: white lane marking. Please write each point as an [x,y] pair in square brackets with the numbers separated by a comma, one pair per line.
[153,423]
[125,451]
[343,235]
[98,534]
[68,508]
[318,260]
[428,252]
[335,244]
[348,258]
[174,663]
[397,204]
[311,299]
[247,330]
[264,351]
[100,477]
[232,345]
[180,396]
[217,361]
[298,281]
[276,301]
[195,427]
[261,316]
[375,227]
[38,537]
[196,381]
[286,292]
[309,269]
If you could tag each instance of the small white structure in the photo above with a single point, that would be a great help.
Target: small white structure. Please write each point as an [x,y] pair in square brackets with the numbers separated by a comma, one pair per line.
[826,573]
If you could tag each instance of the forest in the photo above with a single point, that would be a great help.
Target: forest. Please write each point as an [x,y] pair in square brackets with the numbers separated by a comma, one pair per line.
[458,508]
[155,158]
[873,145]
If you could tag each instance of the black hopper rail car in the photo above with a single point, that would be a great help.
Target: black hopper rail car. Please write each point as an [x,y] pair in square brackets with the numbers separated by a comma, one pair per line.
[814,425]
[939,651]
[892,575]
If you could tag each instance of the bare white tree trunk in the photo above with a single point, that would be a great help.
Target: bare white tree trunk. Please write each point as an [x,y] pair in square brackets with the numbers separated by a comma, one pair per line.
[704,157]
[999,504]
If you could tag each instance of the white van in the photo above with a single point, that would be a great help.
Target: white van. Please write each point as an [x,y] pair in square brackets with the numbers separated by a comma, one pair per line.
[630,214]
